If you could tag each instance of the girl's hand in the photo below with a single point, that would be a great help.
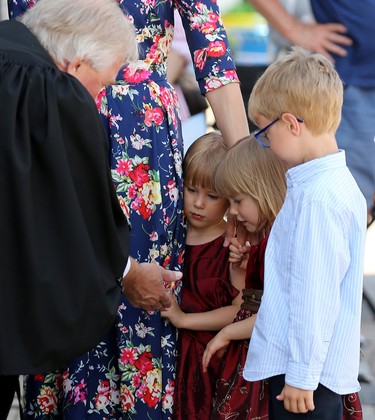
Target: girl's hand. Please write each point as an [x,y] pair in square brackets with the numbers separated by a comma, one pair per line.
[174,314]
[216,346]
[238,254]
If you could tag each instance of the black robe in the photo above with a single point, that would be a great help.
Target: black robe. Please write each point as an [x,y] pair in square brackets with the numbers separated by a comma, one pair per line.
[63,236]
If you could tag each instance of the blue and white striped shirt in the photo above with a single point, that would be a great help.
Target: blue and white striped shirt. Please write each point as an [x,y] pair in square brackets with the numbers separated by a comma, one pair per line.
[308,325]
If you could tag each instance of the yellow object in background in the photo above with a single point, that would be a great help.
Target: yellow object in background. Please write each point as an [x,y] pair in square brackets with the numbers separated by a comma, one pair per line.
[248,34]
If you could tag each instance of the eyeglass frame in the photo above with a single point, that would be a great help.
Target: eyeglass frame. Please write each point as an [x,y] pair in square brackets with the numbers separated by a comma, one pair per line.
[264,129]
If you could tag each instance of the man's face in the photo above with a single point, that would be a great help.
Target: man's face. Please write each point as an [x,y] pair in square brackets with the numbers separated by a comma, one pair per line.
[92,79]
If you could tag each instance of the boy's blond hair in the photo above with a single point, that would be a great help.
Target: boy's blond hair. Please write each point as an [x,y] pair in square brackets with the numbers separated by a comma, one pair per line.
[249,169]
[202,158]
[305,85]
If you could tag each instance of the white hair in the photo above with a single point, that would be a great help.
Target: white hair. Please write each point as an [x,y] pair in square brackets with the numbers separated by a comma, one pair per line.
[94,30]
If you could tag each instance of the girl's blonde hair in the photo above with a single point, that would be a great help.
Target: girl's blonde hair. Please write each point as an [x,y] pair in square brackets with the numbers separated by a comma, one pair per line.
[94,30]
[303,84]
[249,169]
[202,158]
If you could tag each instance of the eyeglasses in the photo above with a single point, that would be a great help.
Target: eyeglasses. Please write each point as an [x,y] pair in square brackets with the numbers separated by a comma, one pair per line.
[261,136]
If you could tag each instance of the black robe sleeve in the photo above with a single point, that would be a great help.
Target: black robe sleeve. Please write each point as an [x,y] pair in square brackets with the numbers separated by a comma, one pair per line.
[63,237]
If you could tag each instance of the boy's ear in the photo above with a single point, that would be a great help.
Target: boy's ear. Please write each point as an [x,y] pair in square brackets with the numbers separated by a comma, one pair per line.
[292,123]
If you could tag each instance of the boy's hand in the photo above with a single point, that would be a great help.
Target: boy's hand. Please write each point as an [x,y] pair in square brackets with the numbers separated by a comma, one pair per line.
[297,400]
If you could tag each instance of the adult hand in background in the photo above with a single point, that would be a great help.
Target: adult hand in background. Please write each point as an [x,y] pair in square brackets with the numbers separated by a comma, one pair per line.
[326,39]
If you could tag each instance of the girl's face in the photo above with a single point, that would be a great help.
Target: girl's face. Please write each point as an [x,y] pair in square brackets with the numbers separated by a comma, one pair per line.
[245,208]
[203,207]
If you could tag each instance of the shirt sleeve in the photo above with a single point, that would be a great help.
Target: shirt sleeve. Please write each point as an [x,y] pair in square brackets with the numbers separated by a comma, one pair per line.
[208,43]
[318,266]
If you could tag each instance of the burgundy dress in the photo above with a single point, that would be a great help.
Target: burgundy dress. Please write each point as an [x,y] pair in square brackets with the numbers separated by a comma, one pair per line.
[237,399]
[206,286]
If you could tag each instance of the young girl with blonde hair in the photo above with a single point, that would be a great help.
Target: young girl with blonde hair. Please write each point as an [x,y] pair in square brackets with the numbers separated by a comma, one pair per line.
[210,292]
[253,179]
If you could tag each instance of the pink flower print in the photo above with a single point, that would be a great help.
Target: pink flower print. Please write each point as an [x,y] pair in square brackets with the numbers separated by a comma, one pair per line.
[171,184]
[148,115]
[158,116]
[79,392]
[136,380]
[208,27]
[137,75]
[128,355]
[213,17]
[99,98]
[231,74]
[113,120]
[124,167]
[200,57]
[132,191]
[216,49]
[153,115]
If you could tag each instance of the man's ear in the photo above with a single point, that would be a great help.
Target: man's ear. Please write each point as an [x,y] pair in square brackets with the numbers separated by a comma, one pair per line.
[292,123]
[73,67]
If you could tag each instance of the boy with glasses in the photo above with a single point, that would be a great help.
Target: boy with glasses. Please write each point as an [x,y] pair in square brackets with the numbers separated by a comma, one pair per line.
[306,338]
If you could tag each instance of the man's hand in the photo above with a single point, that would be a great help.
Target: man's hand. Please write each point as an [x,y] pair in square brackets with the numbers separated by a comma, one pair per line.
[297,400]
[144,287]
[324,38]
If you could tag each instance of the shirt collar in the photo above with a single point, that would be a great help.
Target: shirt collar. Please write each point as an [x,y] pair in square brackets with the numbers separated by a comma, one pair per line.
[299,174]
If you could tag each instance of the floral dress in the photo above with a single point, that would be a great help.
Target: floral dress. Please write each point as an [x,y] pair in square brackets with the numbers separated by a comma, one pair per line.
[131,373]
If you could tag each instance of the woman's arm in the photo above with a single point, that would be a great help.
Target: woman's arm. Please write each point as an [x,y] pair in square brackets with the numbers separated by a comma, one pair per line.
[229,110]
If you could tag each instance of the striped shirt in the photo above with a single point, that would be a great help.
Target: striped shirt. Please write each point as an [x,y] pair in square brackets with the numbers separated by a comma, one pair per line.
[308,325]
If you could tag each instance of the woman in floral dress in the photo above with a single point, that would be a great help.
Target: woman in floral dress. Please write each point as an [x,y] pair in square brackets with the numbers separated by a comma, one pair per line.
[130,374]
